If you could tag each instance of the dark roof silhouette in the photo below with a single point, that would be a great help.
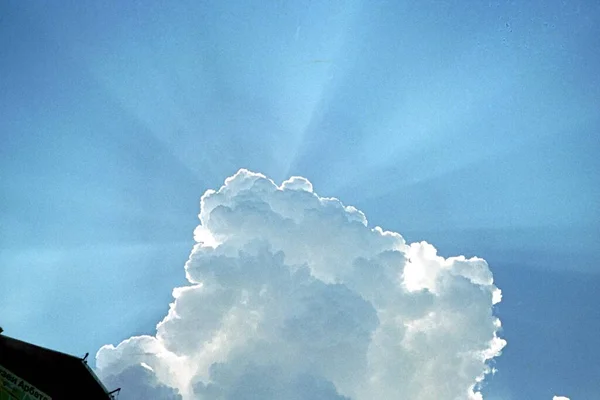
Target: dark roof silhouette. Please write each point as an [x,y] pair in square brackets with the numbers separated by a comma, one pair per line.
[59,375]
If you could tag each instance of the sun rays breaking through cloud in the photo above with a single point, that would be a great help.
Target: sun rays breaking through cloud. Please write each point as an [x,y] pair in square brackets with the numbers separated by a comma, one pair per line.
[472,126]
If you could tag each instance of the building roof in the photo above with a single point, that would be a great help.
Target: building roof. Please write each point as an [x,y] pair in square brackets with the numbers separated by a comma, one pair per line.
[59,375]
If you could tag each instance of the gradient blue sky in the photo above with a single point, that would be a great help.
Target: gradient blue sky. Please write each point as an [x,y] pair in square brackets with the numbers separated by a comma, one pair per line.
[473,125]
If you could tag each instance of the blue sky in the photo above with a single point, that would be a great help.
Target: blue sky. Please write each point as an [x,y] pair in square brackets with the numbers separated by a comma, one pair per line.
[471,125]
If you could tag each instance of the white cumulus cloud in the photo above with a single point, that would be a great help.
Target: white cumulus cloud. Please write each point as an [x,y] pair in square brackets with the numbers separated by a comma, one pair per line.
[295,296]
[560,398]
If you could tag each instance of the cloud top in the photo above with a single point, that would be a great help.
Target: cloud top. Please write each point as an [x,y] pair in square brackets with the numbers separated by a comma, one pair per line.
[295,296]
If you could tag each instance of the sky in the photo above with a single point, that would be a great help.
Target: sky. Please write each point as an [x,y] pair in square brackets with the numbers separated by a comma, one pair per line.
[470,125]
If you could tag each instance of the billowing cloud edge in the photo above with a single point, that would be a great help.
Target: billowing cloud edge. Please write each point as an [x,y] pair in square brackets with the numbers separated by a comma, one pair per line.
[295,296]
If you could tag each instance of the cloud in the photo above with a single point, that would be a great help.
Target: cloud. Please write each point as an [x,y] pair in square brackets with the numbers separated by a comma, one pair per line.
[140,383]
[560,398]
[295,296]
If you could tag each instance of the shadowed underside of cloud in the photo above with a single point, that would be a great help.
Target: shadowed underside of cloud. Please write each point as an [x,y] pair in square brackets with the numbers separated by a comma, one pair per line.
[295,296]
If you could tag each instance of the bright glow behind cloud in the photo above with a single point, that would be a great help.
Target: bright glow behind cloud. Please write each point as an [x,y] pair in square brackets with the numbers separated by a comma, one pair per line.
[294,296]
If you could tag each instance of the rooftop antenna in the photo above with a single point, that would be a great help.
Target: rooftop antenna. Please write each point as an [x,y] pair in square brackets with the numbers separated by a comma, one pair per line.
[84,359]
[116,391]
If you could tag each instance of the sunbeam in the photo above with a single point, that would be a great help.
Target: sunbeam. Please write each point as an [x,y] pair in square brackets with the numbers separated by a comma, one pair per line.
[470,125]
